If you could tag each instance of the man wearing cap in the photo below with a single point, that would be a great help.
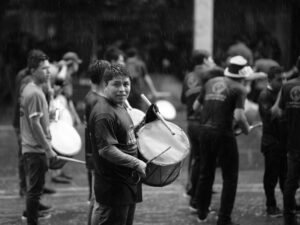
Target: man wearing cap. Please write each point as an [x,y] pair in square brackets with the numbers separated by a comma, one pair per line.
[221,99]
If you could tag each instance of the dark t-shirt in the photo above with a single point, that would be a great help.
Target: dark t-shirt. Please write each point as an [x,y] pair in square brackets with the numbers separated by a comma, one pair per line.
[272,127]
[137,70]
[111,125]
[90,100]
[220,97]
[290,103]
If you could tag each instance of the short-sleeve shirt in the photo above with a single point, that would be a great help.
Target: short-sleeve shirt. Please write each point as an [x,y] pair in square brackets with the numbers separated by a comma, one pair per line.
[90,100]
[272,127]
[220,97]
[33,104]
[111,125]
[290,103]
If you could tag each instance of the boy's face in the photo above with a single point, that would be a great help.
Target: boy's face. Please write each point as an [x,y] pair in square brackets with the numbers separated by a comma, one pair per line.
[118,89]
[41,73]
[276,82]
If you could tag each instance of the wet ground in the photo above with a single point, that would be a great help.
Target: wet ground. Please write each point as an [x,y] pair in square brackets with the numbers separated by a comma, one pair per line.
[161,206]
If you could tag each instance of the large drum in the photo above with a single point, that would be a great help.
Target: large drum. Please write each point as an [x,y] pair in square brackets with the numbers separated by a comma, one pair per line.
[154,138]
[65,142]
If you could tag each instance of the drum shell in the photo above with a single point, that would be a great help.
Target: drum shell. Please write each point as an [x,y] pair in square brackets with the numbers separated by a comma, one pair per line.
[160,172]
[159,176]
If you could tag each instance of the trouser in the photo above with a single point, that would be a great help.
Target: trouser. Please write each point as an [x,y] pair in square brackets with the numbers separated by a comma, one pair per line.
[193,130]
[275,171]
[113,215]
[291,185]
[91,198]
[217,146]
[21,168]
[35,167]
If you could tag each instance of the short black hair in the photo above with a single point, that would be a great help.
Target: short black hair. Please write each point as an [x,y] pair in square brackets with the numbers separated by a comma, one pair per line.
[115,70]
[274,70]
[35,57]
[198,57]
[112,53]
[96,70]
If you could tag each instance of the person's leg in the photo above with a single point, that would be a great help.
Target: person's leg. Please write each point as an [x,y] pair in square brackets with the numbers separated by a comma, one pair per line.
[113,215]
[36,167]
[290,188]
[270,178]
[21,168]
[206,173]
[229,163]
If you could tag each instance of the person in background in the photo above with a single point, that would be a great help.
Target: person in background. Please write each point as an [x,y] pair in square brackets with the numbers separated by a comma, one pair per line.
[221,100]
[140,79]
[35,134]
[22,79]
[272,143]
[95,72]
[201,62]
[289,105]
[114,55]
[69,65]
[115,153]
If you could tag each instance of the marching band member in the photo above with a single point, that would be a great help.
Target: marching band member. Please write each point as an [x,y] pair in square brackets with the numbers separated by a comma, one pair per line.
[34,130]
[115,152]
[221,99]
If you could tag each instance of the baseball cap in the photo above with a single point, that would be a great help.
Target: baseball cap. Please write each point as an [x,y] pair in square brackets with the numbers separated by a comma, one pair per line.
[72,56]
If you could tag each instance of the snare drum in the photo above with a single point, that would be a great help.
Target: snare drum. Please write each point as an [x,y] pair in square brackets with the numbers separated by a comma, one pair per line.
[65,142]
[153,138]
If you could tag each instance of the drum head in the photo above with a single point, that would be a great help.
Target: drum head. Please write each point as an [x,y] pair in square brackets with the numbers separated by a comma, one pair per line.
[154,138]
[65,139]
[166,109]
[136,115]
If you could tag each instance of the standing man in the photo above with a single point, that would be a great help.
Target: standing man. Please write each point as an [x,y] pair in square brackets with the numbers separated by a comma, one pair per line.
[289,102]
[35,134]
[221,99]
[115,152]
[95,72]
[201,62]
[272,145]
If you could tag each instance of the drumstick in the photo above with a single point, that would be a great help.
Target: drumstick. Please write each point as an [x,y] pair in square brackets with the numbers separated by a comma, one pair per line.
[128,105]
[239,131]
[155,157]
[157,114]
[70,159]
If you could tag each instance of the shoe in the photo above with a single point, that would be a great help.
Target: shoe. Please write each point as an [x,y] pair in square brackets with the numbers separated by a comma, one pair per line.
[274,212]
[63,175]
[202,217]
[41,216]
[60,180]
[49,191]
[45,208]
[193,207]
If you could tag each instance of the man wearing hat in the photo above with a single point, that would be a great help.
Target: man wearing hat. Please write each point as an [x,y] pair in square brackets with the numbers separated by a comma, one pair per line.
[221,100]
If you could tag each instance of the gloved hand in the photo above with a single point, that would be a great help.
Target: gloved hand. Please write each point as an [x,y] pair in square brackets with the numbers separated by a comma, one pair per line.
[151,113]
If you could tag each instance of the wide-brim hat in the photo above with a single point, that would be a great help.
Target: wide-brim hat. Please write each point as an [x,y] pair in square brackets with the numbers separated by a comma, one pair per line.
[235,67]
